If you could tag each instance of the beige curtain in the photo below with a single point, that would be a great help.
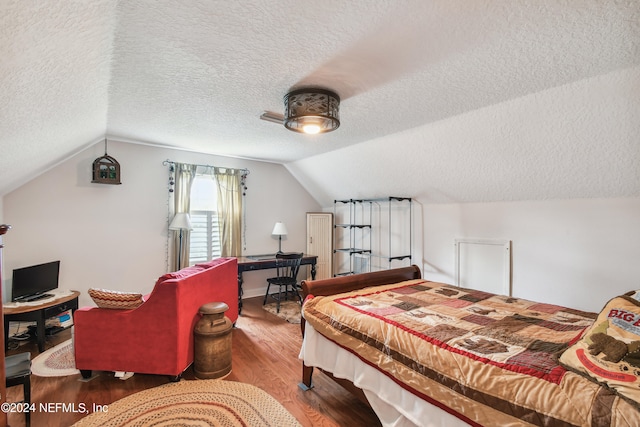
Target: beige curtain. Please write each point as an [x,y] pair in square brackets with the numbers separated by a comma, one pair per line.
[184,175]
[230,191]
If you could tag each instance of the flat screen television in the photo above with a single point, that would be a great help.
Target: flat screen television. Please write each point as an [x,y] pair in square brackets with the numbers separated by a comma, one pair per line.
[33,282]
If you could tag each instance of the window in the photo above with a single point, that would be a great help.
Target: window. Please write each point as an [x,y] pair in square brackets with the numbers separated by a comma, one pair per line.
[204,243]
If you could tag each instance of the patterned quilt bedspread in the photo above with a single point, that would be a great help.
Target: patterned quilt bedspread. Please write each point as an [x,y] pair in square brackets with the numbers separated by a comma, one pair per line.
[488,359]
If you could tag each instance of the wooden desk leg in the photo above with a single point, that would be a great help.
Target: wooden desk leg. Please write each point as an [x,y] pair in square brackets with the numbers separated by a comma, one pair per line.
[239,293]
[313,271]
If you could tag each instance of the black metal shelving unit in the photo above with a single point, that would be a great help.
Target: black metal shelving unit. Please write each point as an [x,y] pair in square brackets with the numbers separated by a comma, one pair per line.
[359,227]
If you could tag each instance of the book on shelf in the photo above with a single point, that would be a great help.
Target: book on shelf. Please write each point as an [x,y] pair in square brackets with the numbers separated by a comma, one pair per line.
[64,320]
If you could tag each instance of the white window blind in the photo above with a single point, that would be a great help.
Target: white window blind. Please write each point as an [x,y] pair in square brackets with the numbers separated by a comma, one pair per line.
[204,243]
[205,237]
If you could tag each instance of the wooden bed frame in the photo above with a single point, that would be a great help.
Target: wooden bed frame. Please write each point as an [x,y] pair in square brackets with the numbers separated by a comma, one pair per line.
[340,284]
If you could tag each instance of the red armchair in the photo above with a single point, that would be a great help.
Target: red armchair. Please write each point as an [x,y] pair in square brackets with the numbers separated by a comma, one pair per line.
[157,336]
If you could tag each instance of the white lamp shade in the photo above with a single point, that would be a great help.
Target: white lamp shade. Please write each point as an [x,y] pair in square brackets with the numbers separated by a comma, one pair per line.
[279,229]
[181,222]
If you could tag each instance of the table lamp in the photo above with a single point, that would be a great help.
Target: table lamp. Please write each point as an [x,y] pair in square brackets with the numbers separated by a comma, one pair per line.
[279,230]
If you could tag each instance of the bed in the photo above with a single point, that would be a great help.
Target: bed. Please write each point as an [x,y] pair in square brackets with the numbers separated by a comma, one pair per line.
[423,353]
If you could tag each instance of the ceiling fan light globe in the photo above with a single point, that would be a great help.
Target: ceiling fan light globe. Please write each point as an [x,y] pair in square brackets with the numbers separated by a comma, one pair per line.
[311,129]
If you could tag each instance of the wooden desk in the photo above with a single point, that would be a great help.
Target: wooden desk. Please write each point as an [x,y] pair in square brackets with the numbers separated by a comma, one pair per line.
[39,314]
[266,262]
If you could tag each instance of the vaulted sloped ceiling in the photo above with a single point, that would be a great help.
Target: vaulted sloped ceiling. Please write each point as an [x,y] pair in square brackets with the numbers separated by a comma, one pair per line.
[196,74]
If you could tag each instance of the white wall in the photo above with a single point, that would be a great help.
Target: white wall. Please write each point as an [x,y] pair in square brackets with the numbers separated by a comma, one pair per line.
[115,236]
[577,253]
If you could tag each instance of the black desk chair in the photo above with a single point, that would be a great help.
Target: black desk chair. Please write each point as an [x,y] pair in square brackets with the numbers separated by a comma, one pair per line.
[18,371]
[287,266]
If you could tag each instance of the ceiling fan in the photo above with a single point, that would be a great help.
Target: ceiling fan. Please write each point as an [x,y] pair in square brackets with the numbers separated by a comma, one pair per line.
[309,110]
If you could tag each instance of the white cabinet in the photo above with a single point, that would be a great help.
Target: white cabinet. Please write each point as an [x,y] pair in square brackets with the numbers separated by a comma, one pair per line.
[320,242]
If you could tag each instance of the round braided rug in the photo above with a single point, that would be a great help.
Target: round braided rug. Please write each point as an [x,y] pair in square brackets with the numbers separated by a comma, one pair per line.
[58,361]
[195,403]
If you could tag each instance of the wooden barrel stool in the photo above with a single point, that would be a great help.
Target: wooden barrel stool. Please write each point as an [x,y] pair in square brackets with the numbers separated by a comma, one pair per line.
[212,342]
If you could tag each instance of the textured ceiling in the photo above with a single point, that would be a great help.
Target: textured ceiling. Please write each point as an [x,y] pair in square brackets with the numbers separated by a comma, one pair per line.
[196,74]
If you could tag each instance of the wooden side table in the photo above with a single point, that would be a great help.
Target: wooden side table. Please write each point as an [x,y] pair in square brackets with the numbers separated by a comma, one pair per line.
[39,314]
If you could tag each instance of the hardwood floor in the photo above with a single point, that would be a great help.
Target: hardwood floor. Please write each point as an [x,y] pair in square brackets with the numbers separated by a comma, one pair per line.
[265,354]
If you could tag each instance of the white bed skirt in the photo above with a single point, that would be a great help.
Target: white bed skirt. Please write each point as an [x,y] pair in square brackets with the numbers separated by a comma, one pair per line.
[394,406]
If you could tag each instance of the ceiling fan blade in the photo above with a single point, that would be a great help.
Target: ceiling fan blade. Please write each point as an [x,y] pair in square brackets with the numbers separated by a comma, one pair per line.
[270,116]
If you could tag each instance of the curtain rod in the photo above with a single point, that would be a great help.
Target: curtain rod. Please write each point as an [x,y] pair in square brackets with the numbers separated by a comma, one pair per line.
[172,163]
